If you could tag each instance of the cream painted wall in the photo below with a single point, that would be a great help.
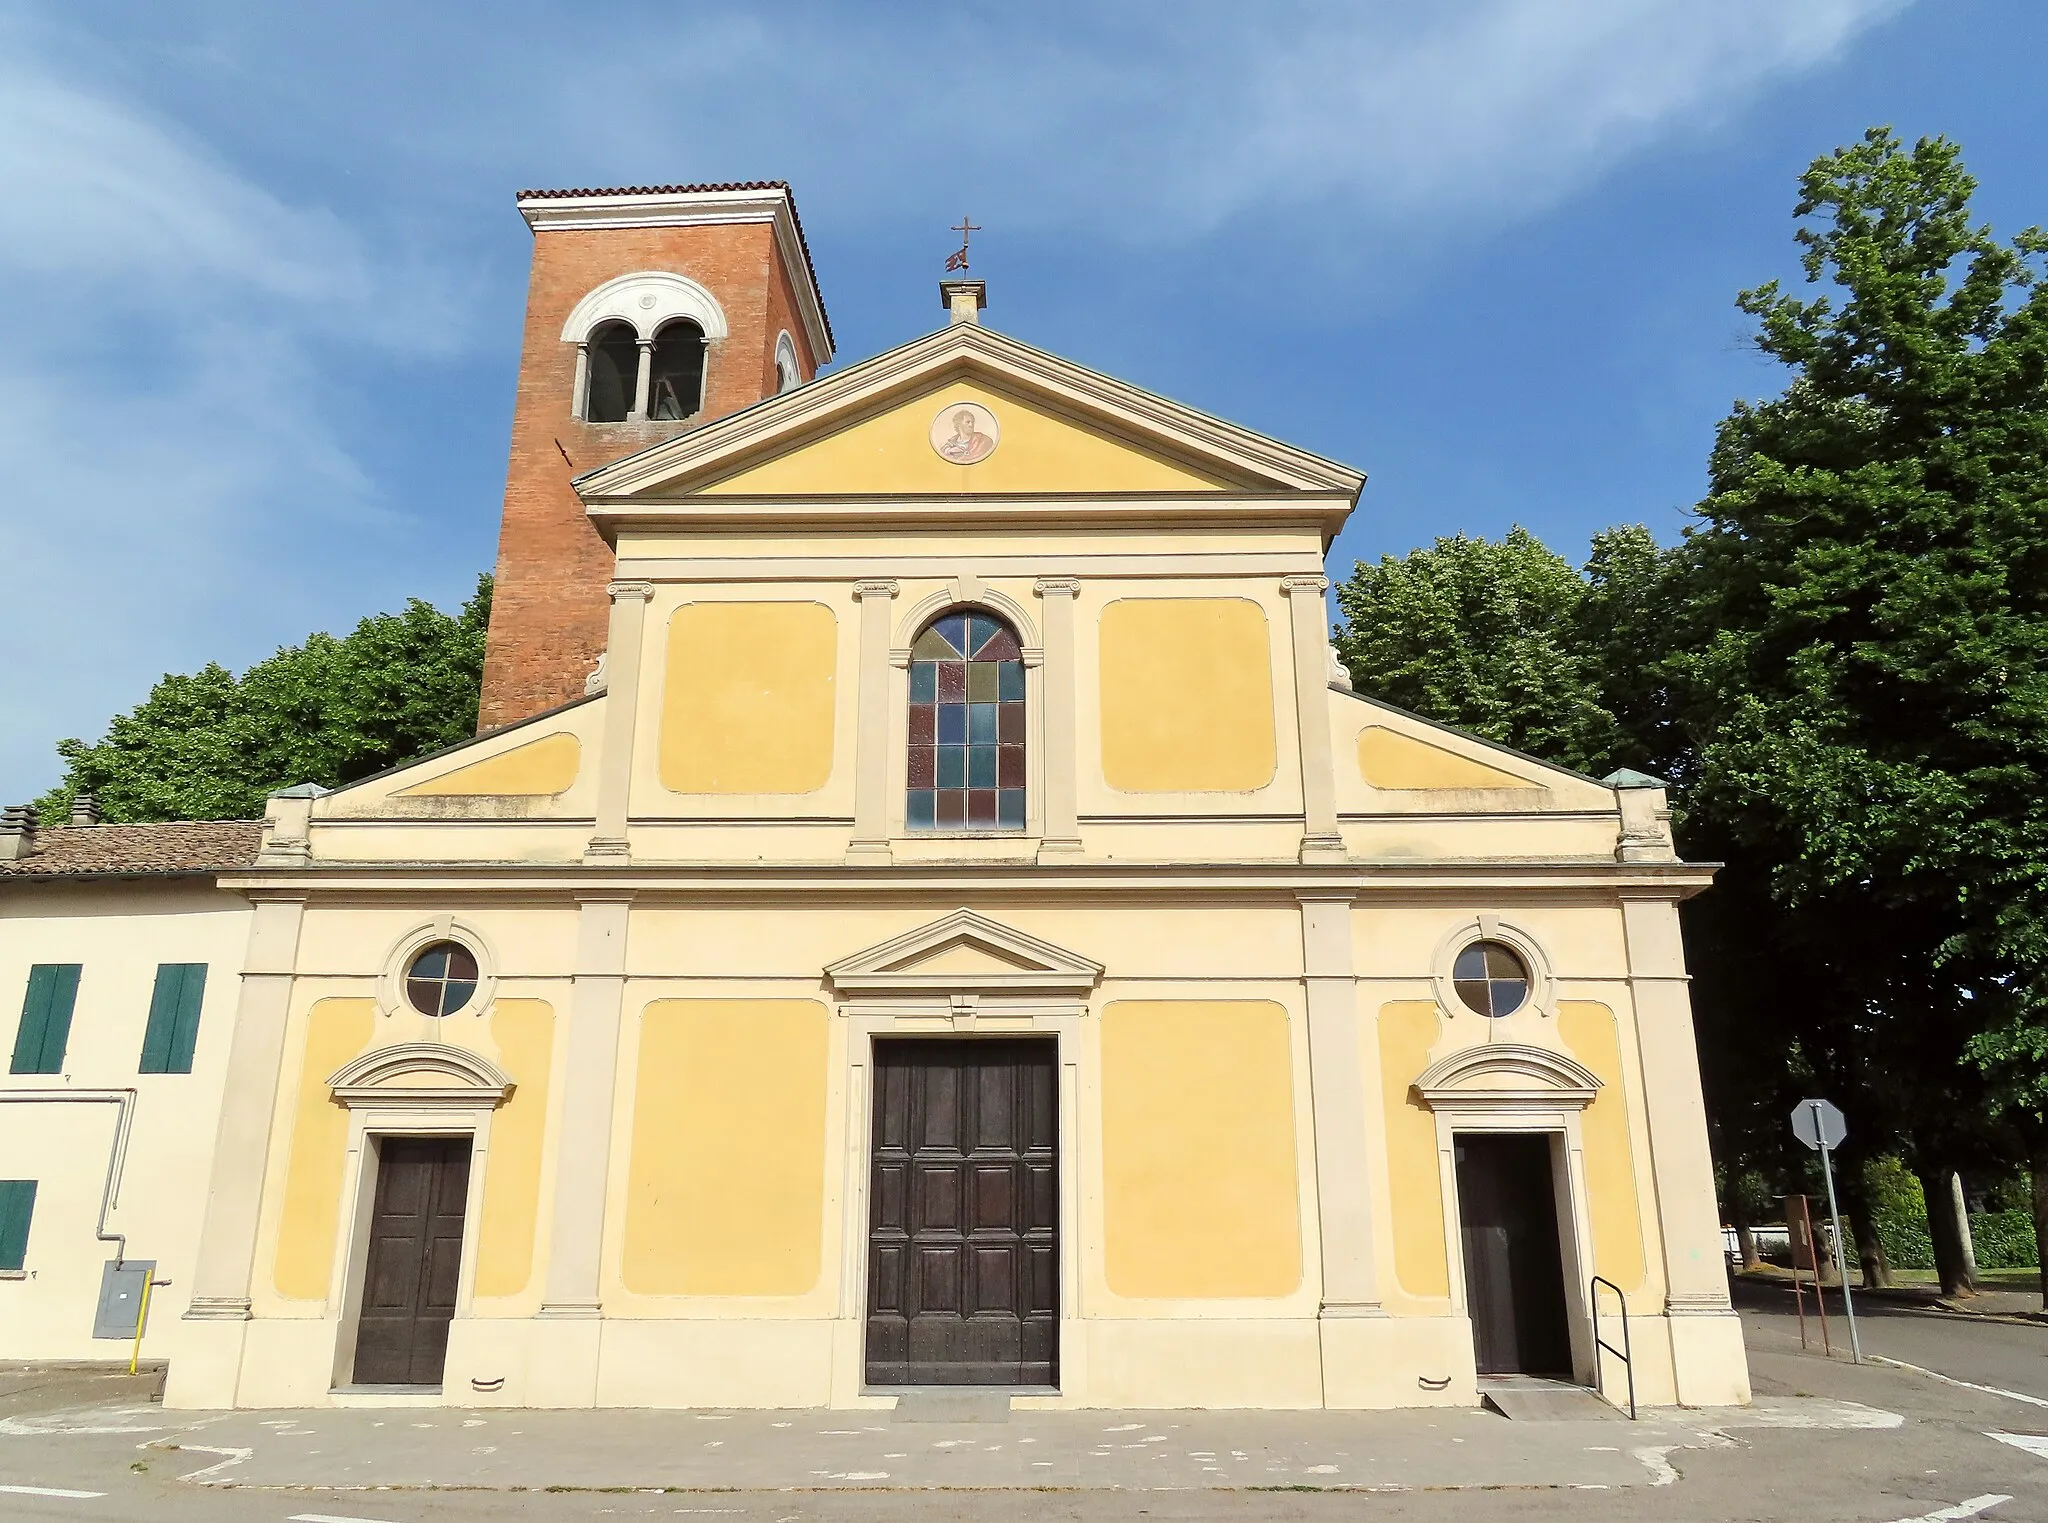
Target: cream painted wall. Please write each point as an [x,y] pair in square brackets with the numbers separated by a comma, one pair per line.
[118,934]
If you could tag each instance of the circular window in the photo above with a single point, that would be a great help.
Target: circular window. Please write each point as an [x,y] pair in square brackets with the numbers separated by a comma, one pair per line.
[1491,978]
[442,979]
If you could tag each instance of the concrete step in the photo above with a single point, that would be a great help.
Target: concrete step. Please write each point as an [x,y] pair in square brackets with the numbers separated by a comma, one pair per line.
[1546,1401]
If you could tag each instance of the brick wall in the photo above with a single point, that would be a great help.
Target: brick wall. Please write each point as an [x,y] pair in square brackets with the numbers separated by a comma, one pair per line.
[549,613]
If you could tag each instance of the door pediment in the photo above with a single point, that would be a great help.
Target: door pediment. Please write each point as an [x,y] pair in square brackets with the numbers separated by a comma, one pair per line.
[415,1073]
[966,953]
[1506,1073]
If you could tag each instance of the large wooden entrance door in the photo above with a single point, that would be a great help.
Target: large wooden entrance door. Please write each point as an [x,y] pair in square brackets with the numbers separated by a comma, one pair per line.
[1514,1267]
[963,1209]
[414,1262]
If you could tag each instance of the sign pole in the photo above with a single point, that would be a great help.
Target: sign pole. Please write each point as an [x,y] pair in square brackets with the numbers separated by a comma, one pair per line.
[1841,1256]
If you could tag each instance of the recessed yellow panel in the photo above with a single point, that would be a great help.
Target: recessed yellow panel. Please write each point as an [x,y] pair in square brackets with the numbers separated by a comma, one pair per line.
[524,1030]
[1187,696]
[1201,1195]
[336,1030]
[1590,1031]
[726,1187]
[1408,1029]
[1038,450]
[747,705]
[1389,759]
[540,767]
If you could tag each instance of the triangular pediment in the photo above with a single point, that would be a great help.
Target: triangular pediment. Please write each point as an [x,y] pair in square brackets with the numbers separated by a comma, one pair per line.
[873,430]
[966,953]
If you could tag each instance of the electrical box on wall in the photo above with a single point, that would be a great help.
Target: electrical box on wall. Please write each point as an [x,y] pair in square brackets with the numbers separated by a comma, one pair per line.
[121,1283]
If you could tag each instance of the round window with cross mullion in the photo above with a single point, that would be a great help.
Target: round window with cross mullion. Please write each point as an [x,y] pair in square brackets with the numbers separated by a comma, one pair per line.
[442,979]
[1491,978]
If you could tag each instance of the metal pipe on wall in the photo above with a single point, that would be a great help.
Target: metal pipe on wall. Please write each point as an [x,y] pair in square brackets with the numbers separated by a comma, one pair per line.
[117,1154]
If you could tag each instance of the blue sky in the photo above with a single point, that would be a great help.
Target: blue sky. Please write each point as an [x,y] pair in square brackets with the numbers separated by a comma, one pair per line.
[261,276]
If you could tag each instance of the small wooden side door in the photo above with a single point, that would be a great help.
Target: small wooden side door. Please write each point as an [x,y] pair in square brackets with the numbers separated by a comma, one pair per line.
[415,1261]
[1514,1264]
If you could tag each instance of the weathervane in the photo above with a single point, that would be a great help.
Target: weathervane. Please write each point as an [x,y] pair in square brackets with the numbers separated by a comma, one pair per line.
[958,259]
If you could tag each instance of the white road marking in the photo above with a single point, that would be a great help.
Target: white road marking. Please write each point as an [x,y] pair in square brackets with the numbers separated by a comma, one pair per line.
[1968,1385]
[50,1491]
[1975,1507]
[204,1474]
[328,1517]
[2033,1443]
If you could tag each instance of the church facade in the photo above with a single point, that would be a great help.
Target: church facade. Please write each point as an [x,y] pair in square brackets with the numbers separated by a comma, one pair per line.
[926,909]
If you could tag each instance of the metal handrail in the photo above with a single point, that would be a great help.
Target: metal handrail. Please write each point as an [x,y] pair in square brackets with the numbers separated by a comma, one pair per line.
[1627,1344]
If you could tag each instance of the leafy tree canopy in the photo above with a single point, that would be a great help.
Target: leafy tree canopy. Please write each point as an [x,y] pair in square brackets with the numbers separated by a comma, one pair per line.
[211,746]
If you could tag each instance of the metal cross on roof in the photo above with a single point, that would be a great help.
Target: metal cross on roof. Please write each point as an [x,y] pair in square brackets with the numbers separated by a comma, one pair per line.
[958,259]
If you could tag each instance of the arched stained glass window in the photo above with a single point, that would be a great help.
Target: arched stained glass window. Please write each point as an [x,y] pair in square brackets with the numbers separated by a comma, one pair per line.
[966,724]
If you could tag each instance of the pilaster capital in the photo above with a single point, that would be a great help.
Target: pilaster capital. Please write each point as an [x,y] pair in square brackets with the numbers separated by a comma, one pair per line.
[1057,586]
[876,587]
[621,592]
[1295,585]
[899,655]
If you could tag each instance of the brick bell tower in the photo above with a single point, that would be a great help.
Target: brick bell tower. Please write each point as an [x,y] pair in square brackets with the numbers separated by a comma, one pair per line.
[650,311]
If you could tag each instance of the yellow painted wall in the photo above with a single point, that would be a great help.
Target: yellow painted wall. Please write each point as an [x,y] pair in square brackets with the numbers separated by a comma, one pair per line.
[336,1030]
[748,698]
[1408,1030]
[539,767]
[1187,696]
[1389,759]
[726,1187]
[1590,1031]
[524,1030]
[1038,451]
[1200,1190]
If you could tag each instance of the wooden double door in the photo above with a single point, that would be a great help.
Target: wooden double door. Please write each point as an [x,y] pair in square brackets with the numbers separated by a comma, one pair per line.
[1514,1257]
[963,1211]
[414,1264]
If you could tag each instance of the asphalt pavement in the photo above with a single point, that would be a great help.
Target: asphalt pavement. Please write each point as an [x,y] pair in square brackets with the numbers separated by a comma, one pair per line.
[1827,1442]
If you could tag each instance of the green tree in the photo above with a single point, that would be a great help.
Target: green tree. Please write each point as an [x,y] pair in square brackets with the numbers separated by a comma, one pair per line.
[1864,671]
[211,746]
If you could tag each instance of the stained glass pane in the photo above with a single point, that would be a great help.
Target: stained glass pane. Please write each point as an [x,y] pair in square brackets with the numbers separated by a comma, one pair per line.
[1501,962]
[967,721]
[432,963]
[1473,993]
[1508,994]
[461,963]
[459,991]
[1471,963]
[424,995]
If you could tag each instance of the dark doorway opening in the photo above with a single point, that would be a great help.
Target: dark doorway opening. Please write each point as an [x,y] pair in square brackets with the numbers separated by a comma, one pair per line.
[963,1213]
[1514,1259]
[414,1264]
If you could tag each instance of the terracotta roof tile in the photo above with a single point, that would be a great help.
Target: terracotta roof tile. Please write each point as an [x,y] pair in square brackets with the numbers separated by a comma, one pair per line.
[176,847]
[692,190]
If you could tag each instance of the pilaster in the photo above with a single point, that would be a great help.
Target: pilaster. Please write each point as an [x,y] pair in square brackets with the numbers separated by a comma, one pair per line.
[871,724]
[1321,841]
[622,660]
[1061,834]
[223,1269]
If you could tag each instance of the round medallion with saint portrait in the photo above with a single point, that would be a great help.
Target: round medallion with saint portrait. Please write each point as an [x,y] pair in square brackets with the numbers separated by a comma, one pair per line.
[965,433]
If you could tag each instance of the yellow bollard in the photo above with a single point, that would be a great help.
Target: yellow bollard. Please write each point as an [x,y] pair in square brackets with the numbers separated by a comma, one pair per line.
[141,1319]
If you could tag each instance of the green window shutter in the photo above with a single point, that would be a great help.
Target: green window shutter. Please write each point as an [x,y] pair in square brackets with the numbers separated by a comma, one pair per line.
[17,1205]
[173,1018]
[46,1018]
